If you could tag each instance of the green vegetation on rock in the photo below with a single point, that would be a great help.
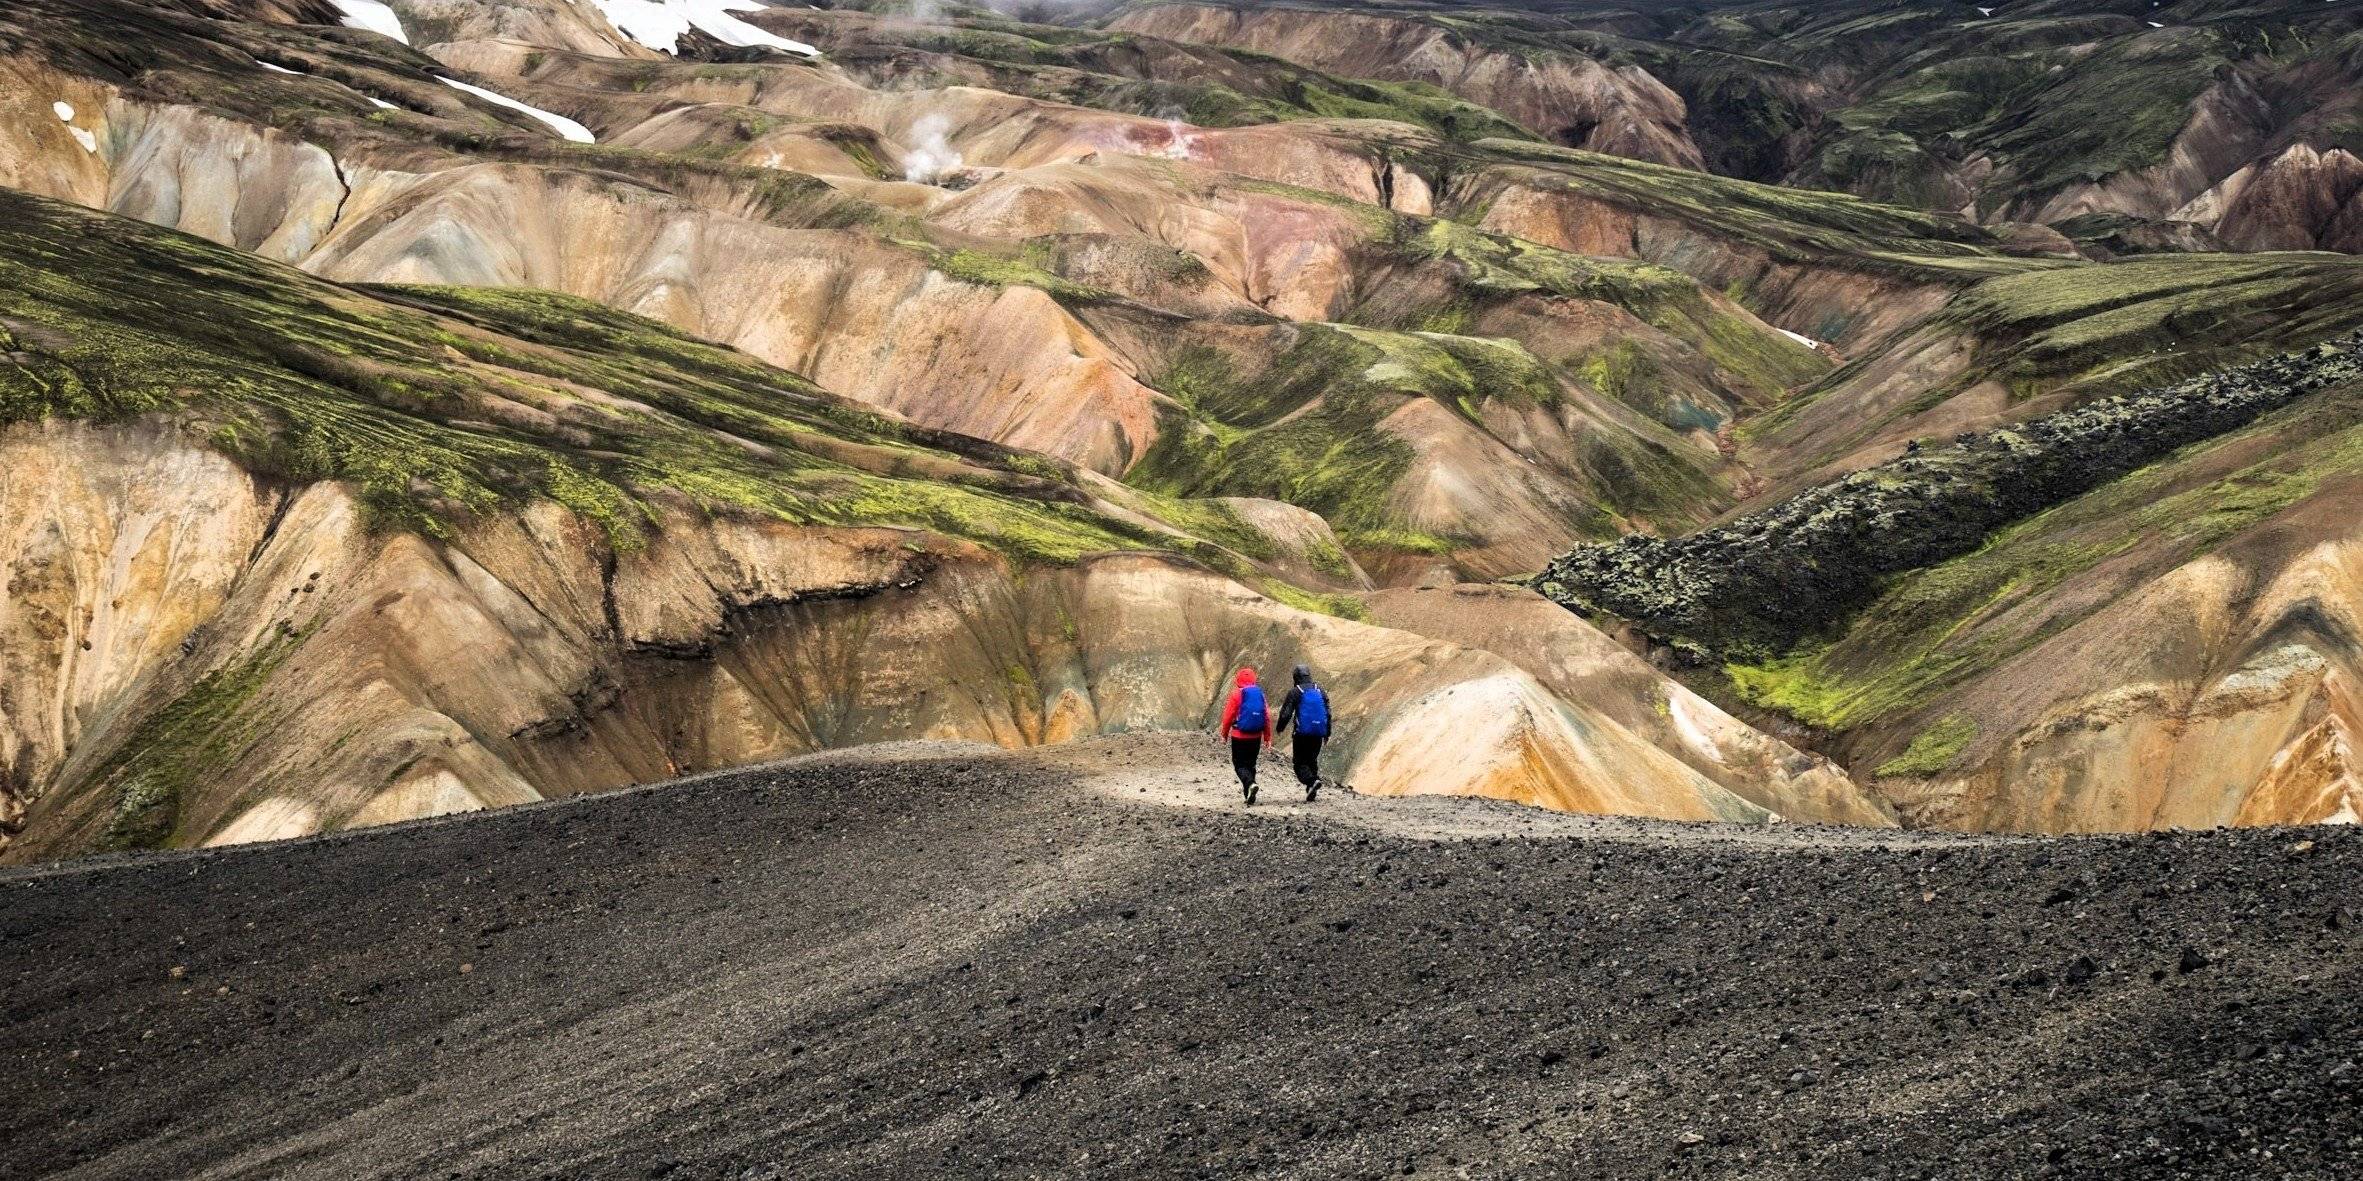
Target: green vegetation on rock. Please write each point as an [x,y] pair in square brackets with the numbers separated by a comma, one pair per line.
[1932,629]
[1026,267]
[1798,225]
[1935,748]
[1757,587]
[2145,320]
[1210,86]
[438,404]
[197,735]
[1331,387]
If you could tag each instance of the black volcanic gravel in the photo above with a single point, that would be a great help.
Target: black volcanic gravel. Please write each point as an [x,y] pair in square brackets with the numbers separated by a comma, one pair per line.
[976,967]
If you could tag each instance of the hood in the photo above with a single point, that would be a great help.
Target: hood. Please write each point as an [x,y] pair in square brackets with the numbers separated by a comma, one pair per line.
[1301,675]
[1246,677]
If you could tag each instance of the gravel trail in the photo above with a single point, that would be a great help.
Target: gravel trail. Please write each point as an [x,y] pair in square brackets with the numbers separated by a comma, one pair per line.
[948,961]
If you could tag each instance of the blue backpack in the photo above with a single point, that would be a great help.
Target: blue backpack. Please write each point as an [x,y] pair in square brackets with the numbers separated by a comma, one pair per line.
[1312,711]
[1251,710]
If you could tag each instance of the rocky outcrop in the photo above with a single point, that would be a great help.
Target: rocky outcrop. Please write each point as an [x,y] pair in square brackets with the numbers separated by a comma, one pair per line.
[2174,647]
[2104,236]
[1766,581]
[261,191]
[120,545]
[1831,273]
[2019,346]
[2300,199]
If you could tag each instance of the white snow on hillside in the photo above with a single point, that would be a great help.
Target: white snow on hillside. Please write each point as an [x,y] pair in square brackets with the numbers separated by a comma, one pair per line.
[558,123]
[65,114]
[373,16]
[1800,338]
[659,24]
[277,69]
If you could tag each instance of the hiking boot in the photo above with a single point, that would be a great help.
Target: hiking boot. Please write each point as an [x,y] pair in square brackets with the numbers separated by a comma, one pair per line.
[1312,789]
[1250,792]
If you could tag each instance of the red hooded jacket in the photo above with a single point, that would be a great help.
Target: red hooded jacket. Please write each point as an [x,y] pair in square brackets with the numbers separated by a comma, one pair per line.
[1231,711]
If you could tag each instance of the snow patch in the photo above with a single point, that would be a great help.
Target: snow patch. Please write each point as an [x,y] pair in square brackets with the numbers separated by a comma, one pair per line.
[278,69]
[374,16]
[558,123]
[1800,338]
[1693,735]
[380,103]
[659,24]
[65,114]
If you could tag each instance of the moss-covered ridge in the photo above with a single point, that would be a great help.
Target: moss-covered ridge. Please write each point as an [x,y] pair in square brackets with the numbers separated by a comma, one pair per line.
[2074,333]
[1933,630]
[1303,430]
[1787,224]
[1930,103]
[164,53]
[438,404]
[1759,585]
[1206,85]
[1495,267]
[2149,320]
[1306,429]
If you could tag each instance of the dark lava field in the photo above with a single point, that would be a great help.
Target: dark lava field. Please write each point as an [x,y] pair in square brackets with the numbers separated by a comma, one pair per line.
[969,963]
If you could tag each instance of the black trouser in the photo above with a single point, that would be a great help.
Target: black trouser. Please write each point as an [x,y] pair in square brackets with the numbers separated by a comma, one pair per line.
[1243,753]
[1308,757]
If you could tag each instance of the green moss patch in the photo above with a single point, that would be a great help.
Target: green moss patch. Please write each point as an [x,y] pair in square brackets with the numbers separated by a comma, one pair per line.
[1936,628]
[1791,225]
[1934,750]
[197,736]
[436,405]
[1765,583]
[1028,266]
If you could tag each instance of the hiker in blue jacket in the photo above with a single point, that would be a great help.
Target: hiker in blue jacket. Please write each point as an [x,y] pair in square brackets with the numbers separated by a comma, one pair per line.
[1306,708]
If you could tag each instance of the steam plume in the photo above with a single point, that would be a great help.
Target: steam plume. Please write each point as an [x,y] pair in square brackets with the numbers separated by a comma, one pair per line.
[932,156]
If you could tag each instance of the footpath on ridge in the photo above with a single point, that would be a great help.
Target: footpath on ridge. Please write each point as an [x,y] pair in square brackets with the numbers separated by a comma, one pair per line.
[1087,961]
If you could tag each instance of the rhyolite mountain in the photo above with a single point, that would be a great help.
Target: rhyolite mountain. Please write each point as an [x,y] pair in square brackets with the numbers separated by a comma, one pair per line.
[2222,123]
[430,406]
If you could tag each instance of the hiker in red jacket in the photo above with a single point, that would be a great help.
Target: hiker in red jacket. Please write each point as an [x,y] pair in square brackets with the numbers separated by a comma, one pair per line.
[1248,726]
